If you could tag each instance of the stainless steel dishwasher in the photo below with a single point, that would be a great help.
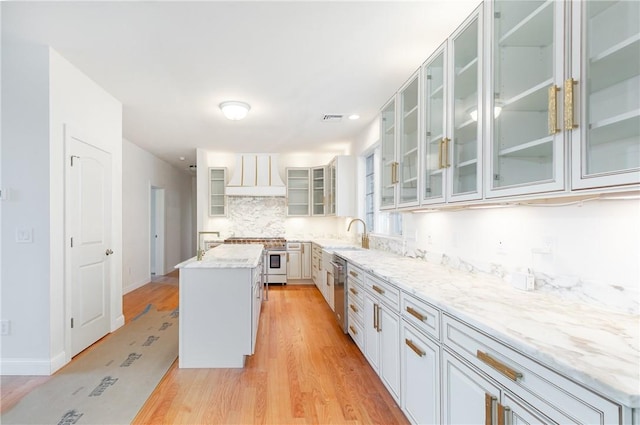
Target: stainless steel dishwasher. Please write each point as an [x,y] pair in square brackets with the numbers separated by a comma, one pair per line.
[340,290]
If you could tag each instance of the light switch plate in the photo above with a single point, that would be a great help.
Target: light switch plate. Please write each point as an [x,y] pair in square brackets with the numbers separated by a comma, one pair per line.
[24,235]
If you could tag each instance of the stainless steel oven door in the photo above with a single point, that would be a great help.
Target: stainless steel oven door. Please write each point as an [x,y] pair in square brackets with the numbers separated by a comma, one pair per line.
[276,267]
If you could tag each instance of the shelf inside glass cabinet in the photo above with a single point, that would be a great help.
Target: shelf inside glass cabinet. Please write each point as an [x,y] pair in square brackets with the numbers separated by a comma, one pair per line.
[536,29]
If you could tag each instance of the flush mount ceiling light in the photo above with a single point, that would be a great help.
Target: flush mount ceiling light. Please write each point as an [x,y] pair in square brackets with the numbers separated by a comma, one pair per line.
[354,117]
[234,110]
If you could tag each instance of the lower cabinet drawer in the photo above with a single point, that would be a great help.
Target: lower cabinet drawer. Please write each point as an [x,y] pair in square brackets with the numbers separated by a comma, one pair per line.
[548,391]
[356,331]
[387,293]
[422,315]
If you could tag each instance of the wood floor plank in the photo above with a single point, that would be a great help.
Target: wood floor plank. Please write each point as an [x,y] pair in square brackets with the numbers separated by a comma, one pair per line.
[304,371]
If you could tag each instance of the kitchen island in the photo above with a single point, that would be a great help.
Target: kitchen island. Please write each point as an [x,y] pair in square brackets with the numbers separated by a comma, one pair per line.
[220,302]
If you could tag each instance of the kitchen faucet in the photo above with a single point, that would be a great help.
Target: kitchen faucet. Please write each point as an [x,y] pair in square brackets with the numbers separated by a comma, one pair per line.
[365,237]
[200,251]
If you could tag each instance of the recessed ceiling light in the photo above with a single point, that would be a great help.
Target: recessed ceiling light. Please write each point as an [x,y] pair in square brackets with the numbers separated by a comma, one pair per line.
[234,110]
[354,116]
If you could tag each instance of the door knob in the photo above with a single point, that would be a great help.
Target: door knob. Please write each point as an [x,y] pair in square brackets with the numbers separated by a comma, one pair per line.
[108,252]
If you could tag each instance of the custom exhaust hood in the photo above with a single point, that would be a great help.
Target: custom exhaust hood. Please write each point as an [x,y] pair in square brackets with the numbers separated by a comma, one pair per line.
[256,175]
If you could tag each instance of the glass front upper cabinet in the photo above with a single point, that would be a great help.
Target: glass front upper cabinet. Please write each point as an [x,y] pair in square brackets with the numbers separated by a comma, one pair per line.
[605,117]
[464,152]
[523,108]
[435,124]
[298,191]
[408,156]
[217,200]
[388,155]
[318,194]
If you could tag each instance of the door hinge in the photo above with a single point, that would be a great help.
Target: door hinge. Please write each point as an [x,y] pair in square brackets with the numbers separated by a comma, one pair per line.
[72,323]
[74,156]
[497,15]
[71,242]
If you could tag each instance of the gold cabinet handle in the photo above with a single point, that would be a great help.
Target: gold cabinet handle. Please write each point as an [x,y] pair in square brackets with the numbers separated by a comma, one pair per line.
[302,248]
[568,104]
[553,110]
[499,366]
[379,328]
[416,314]
[414,347]
[353,291]
[375,316]
[440,155]
[489,400]
[445,157]
[502,413]
[353,330]
[378,289]
[352,273]
[354,308]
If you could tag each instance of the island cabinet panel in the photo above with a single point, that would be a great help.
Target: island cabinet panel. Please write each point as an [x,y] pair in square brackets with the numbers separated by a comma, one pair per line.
[217,316]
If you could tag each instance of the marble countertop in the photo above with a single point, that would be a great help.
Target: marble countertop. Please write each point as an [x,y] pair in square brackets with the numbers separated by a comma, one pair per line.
[596,347]
[227,256]
[335,243]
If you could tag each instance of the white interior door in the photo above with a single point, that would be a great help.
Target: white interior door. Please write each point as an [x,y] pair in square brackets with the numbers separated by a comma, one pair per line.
[88,211]
[156,251]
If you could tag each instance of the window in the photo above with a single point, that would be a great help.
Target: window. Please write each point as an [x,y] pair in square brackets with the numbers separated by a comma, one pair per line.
[369,186]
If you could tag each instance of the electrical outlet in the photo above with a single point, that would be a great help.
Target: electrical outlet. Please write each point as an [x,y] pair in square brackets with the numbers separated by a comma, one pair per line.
[501,247]
[5,327]
[24,235]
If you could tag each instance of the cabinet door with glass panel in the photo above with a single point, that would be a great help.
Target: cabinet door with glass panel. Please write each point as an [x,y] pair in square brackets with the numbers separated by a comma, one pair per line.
[298,191]
[217,199]
[525,148]
[389,166]
[434,168]
[464,151]
[408,152]
[603,112]
[318,196]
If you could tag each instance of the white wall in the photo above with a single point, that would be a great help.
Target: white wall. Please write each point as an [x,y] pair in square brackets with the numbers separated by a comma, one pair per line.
[25,270]
[45,93]
[141,170]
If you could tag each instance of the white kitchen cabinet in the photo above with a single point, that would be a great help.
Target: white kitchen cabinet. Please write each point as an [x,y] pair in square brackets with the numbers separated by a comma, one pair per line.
[389,165]
[305,260]
[217,198]
[604,113]
[435,126]
[298,191]
[401,147]
[341,188]
[327,280]
[525,143]
[316,265]
[318,194]
[294,262]
[467,397]
[355,301]
[527,388]
[420,376]
[382,333]
[464,150]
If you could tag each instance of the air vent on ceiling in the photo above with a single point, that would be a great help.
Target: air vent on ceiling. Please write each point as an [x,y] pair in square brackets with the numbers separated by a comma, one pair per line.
[332,117]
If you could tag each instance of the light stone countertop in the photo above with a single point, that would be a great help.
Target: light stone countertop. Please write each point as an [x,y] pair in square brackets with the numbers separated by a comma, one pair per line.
[596,347]
[227,256]
[335,243]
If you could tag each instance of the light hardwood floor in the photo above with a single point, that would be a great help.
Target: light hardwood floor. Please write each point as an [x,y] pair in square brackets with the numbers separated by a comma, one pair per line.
[305,371]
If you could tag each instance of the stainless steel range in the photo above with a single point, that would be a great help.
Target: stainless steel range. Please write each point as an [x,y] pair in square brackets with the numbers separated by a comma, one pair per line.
[275,264]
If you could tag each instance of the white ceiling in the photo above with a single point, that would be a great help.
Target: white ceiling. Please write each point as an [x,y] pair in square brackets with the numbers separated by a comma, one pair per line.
[172,63]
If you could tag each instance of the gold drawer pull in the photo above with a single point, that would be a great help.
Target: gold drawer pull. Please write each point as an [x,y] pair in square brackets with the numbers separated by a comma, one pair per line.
[489,401]
[354,308]
[414,347]
[352,273]
[499,366]
[353,330]
[416,314]
[378,289]
[353,291]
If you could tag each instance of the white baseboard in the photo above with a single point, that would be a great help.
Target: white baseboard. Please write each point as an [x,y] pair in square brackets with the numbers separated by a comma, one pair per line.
[40,367]
[58,361]
[117,323]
